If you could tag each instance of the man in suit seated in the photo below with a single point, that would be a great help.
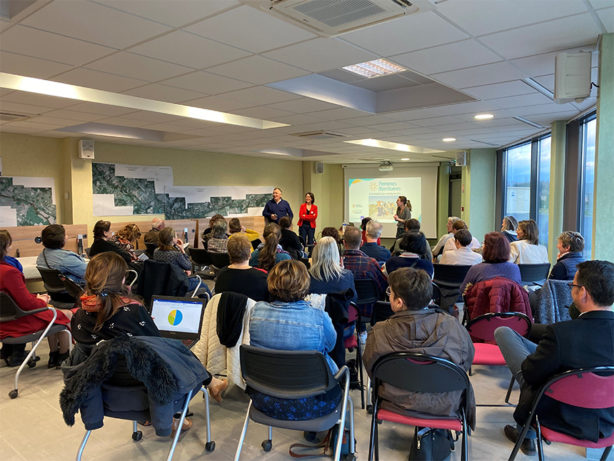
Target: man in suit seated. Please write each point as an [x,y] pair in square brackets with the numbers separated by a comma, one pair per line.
[586,341]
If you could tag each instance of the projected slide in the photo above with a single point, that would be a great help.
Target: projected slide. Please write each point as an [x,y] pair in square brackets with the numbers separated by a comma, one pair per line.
[376,197]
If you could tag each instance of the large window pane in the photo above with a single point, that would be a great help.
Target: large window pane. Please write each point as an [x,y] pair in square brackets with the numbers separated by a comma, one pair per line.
[589,130]
[543,188]
[518,182]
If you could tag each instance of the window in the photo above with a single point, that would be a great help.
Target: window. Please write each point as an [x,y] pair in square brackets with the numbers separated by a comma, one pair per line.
[588,131]
[527,182]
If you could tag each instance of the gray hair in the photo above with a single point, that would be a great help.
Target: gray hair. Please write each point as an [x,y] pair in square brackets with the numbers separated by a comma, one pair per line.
[219,229]
[453,219]
[325,261]
[374,229]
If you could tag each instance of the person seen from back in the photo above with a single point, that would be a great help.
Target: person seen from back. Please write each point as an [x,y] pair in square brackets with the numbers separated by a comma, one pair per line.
[219,239]
[270,252]
[583,342]
[363,228]
[438,249]
[235,229]
[207,233]
[508,228]
[527,249]
[326,272]
[55,257]
[450,244]
[411,225]
[413,247]
[289,241]
[463,255]
[103,241]
[127,239]
[570,245]
[151,237]
[371,247]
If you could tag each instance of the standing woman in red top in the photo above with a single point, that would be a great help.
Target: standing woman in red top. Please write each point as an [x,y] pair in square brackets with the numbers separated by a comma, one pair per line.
[307,216]
[13,282]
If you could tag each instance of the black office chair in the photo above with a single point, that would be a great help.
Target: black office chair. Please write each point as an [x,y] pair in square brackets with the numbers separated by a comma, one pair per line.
[200,258]
[160,278]
[218,262]
[53,280]
[449,278]
[419,373]
[294,375]
[530,273]
[9,310]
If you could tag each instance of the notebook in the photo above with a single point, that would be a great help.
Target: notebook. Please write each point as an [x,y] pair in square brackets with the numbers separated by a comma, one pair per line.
[178,318]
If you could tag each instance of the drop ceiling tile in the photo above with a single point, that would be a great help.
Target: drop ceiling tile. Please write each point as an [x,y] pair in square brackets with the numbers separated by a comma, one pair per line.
[258,70]
[268,31]
[206,83]
[21,108]
[499,90]
[45,45]
[343,76]
[263,112]
[100,109]
[479,17]
[303,105]
[218,102]
[139,67]
[12,63]
[4,24]
[189,50]
[90,22]
[34,99]
[600,3]
[480,75]
[74,117]
[409,33]
[260,95]
[545,37]
[607,18]
[159,10]
[321,54]
[98,80]
[466,53]
[164,93]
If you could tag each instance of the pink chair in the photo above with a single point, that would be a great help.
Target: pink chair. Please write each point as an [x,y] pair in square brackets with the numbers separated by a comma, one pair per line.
[582,388]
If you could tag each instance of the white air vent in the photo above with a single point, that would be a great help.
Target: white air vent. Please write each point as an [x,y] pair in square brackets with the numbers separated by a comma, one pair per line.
[319,134]
[334,17]
[10,117]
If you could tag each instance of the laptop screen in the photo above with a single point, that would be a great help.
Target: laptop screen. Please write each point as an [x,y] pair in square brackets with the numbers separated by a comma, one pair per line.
[178,318]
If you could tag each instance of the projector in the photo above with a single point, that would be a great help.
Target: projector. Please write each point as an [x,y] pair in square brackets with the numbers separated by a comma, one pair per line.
[386,166]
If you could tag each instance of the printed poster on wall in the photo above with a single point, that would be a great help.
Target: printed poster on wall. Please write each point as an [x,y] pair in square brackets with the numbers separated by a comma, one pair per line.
[27,201]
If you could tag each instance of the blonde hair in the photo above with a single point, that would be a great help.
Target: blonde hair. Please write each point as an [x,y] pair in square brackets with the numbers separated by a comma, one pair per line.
[104,277]
[130,232]
[288,281]
[325,260]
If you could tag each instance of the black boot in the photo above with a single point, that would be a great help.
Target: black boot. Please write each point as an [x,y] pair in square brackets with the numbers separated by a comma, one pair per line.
[53,359]
[61,357]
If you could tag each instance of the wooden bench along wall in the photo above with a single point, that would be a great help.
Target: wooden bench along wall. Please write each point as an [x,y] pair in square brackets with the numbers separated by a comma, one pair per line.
[255,223]
[23,239]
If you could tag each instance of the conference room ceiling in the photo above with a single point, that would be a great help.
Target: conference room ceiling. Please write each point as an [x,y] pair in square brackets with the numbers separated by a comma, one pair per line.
[463,57]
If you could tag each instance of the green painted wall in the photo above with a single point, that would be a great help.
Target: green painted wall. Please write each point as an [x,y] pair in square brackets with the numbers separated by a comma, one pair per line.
[443,198]
[478,192]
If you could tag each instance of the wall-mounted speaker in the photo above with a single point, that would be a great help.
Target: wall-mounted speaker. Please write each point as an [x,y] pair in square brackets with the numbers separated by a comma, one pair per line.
[461,158]
[318,167]
[86,148]
[572,76]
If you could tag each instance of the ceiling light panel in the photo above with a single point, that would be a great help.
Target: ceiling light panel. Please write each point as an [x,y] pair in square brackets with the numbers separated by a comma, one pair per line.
[376,68]
[369,142]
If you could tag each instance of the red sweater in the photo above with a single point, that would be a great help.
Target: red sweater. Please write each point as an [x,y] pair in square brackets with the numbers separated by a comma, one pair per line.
[310,218]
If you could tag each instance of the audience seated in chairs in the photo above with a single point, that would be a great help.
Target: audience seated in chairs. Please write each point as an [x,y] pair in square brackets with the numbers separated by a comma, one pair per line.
[270,252]
[235,229]
[463,255]
[371,247]
[13,282]
[411,225]
[207,233]
[127,239]
[415,327]
[334,233]
[289,241]
[450,244]
[586,341]
[171,251]
[219,239]
[104,241]
[108,311]
[327,275]
[508,228]
[527,249]
[438,249]
[289,322]
[413,254]
[363,228]
[152,237]
[239,276]
[6,237]
[570,245]
[54,257]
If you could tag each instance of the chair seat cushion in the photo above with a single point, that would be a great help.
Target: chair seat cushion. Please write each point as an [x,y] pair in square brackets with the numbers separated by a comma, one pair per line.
[555,436]
[487,354]
[450,424]
[311,425]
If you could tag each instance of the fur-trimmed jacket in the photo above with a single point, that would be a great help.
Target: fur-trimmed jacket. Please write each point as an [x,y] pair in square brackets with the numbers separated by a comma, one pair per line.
[165,367]
[497,295]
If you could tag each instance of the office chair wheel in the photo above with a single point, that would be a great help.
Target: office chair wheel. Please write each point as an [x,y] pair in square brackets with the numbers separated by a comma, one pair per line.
[13,394]
[370,409]
[210,446]
[31,363]
[136,436]
[267,445]
[350,457]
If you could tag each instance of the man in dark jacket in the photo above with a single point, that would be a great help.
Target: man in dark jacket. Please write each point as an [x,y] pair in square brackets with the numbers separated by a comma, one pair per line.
[587,341]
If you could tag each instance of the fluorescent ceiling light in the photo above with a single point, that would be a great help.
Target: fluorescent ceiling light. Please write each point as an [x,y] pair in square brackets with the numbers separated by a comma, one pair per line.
[539,87]
[81,93]
[377,68]
[483,116]
[528,122]
[392,146]
[449,139]
[405,159]
[274,152]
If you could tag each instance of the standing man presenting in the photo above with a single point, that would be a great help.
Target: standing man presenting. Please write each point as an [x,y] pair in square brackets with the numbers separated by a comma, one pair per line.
[276,208]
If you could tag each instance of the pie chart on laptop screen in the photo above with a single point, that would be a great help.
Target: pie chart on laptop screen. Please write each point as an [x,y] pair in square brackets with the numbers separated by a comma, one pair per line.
[175,317]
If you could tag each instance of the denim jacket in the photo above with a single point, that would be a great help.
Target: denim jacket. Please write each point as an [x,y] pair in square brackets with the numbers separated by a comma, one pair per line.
[294,326]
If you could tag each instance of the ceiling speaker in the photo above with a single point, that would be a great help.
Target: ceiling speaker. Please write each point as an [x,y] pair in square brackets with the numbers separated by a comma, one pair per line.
[461,158]
[572,77]
[86,148]
[318,167]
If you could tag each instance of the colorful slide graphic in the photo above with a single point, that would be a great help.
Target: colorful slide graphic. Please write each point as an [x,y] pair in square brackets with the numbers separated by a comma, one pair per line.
[175,317]
[376,197]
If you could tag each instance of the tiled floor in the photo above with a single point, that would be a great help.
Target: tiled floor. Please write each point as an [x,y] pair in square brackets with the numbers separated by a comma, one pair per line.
[32,428]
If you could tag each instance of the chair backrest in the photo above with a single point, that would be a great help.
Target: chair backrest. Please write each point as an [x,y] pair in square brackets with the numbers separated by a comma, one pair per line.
[219,260]
[367,291]
[534,272]
[150,249]
[52,280]
[8,308]
[73,289]
[285,374]
[448,274]
[483,327]
[255,243]
[161,278]
[584,387]
[200,256]
[420,373]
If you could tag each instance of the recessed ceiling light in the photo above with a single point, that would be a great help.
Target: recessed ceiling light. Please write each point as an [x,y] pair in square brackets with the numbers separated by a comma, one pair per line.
[370,142]
[449,139]
[376,68]
[405,159]
[483,116]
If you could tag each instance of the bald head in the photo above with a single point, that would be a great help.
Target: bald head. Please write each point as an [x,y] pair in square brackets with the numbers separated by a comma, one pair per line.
[157,223]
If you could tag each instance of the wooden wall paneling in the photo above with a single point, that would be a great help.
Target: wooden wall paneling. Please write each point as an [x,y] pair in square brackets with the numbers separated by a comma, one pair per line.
[23,239]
